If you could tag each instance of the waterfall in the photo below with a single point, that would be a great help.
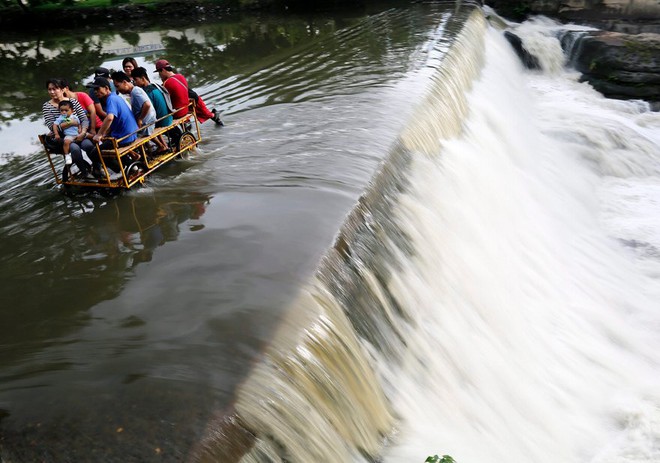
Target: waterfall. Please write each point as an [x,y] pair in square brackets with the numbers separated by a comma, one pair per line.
[532,276]
[317,394]
[476,301]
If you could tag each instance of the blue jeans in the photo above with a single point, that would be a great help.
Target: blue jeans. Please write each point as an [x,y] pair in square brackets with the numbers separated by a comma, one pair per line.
[82,154]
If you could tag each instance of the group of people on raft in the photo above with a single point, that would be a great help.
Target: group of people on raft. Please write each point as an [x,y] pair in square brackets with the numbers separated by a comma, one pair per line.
[79,121]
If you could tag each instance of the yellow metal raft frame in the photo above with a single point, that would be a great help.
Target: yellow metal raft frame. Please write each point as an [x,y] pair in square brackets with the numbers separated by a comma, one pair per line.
[135,161]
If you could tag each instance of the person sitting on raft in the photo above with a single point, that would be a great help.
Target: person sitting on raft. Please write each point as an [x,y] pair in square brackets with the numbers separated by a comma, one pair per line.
[86,102]
[69,126]
[101,72]
[143,110]
[155,94]
[51,112]
[118,123]
[128,64]
[177,86]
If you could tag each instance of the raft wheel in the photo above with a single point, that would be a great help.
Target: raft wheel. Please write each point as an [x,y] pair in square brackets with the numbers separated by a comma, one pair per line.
[185,140]
[134,170]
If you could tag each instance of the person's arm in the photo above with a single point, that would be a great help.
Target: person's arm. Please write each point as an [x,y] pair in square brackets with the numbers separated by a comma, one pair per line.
[92,118]
[65,123]
[49,115]
[97,106]
[80,114]
[87,104]
[56,130]
[99,111]
[105,127]
[146,106]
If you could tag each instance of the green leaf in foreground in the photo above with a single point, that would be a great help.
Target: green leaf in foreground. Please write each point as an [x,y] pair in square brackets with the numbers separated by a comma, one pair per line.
[437,459]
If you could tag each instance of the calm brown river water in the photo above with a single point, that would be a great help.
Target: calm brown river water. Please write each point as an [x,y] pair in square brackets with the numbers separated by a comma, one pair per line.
[126,323]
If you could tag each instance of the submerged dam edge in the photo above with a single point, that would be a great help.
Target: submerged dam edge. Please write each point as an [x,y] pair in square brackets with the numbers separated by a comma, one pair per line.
[316,394]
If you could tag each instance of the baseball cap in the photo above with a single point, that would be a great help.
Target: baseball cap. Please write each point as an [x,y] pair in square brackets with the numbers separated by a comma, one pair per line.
[161,64]
[98,82]
[105,72]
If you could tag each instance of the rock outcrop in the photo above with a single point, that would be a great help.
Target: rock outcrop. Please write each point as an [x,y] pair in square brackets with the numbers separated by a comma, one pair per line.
[530,61]
[585,11]
[620,65]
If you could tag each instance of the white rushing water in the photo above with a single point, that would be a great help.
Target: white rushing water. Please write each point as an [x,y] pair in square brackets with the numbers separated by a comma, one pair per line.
[536,282]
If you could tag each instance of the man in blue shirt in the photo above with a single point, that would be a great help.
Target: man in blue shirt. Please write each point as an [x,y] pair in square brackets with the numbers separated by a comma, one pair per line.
[119,122]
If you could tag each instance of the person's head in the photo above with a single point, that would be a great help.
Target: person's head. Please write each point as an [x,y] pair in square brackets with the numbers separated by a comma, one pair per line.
[122,82]
[128,64]
[164,69]
[65,107]
[140,77]
[54,87]
[101,87]
[102,72]
[67,88]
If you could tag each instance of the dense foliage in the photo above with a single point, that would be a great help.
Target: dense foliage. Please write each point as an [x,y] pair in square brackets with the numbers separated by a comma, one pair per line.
[28,6]
[31,5]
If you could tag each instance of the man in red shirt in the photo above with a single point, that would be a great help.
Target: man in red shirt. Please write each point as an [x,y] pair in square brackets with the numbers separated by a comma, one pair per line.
[177,86]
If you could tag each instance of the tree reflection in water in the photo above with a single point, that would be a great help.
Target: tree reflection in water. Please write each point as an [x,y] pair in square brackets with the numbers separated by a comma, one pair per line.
[205,53]
[96,251]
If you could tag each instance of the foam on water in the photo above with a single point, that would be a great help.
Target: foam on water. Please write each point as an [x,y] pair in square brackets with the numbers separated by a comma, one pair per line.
[535,281]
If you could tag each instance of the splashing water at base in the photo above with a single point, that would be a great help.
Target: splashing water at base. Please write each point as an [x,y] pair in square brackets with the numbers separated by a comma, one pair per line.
[535,281]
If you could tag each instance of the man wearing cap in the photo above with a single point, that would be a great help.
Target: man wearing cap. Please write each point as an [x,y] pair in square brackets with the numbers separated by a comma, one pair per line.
[101,72]
[177,87]
[119,121]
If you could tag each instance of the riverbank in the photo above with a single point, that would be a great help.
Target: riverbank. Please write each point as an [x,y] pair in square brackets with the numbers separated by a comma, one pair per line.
[620,16]
[91,14]
[112,13]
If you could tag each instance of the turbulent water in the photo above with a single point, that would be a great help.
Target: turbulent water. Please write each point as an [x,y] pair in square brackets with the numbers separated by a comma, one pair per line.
[501,273]
[492,295]
[535,282]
